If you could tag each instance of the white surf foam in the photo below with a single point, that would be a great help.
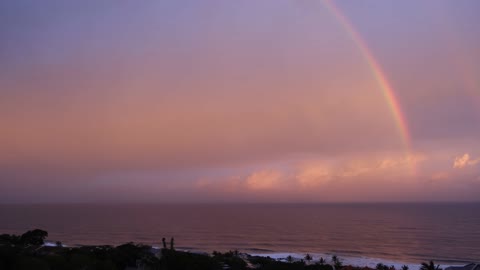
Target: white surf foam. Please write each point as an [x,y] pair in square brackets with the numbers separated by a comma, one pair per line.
[52,244]
[354,261]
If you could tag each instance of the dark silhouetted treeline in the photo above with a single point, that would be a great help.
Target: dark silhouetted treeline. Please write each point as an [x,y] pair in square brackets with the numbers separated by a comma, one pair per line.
[27,252]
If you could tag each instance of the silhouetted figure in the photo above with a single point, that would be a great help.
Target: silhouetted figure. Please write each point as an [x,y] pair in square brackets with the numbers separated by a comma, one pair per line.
[164,243]
[171,243]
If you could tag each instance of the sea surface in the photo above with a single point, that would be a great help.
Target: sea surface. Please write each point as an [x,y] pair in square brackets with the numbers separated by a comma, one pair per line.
[407,233]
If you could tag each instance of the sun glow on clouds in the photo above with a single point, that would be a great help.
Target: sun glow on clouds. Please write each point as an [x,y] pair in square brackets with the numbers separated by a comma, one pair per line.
[464,161]
[315,175]
[382,177]
[264,180]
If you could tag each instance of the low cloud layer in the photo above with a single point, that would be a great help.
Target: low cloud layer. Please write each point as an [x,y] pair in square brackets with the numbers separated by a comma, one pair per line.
[418,177]
[464,161]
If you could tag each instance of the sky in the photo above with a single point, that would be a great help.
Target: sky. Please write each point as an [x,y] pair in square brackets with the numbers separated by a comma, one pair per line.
[239,101]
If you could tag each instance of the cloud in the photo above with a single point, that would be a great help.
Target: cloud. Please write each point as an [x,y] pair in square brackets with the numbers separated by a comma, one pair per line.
[314,174]
[265,180]
[464,161]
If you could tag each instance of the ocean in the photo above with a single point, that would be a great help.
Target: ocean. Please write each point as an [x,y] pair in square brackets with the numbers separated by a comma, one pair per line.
[364,233]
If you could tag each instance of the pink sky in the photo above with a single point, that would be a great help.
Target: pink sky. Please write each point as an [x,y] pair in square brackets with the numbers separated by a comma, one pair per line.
[240,102]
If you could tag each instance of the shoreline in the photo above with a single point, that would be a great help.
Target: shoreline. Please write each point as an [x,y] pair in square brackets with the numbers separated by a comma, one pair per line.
[31,251]
[355,261]
[359,261]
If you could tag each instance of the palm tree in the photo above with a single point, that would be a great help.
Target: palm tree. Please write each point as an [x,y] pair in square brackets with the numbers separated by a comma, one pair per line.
[289,258]
[334,259]
[430,266]
[171,243]
[321,261]
[308,258]
[337,264]
[164,243]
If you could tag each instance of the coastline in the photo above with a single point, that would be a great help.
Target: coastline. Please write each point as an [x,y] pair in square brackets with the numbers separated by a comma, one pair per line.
[31,251]
[355,261]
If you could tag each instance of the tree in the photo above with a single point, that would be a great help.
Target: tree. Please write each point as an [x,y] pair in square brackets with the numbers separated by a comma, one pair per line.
[308,258]
[35,237]
[430,266]
[321,261]
[171,243]
[405,267]
[164,243]
[381,266]
[9,239]
[289,258]
[334,258]
[336,262]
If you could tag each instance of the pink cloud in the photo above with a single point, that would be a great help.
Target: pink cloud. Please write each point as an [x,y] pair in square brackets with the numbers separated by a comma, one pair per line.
[309,176]
[313,174]
[265,180]
[464,161]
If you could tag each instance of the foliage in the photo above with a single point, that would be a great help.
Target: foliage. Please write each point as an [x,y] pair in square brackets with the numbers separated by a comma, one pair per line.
[33,238]
[28,252]
[336,262]
[164,243]
[430,266]
[381,266]
[231,259]
[185,261]
[172,243]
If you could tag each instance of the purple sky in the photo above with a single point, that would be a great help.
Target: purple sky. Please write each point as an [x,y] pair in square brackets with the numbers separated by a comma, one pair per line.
[241,101]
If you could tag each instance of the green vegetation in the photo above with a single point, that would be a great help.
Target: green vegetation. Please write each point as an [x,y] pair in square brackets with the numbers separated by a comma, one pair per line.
[28,252]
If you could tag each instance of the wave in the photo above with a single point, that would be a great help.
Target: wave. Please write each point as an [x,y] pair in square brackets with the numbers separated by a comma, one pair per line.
[354,261]
[259,250]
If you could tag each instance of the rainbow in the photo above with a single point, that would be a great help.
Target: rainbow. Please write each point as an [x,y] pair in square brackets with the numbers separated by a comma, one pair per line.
[379,75]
